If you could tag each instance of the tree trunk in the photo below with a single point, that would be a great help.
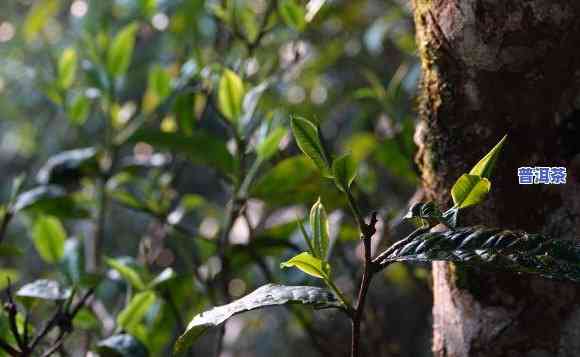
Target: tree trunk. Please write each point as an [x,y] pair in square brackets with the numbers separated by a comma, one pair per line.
[492,67]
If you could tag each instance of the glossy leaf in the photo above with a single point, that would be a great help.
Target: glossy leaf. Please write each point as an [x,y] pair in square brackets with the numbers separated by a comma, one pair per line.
[43,290]
[306,135]
[69,166]
[308,264]
[158,88]
[133,313]
[122,345]
[49,237]
[230,95]
[320,230]
[344,170]
[50,200]
[267,295]
[470,190]
[67,67]
[485,166]
[479,246]
[121,51]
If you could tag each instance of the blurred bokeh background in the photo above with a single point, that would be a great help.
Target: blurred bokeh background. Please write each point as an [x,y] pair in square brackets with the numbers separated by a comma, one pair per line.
[348,65]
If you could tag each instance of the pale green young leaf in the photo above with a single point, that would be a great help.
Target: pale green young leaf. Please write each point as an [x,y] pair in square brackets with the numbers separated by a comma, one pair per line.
[470,190]
[269,146]
[344,170]
[309,265]
[230,95]
[133,313]
[293,14]
[67,67]
[127,273]
[120,51]
[306,135]
[49,238]
[485,166]
[37,18]
[320,229]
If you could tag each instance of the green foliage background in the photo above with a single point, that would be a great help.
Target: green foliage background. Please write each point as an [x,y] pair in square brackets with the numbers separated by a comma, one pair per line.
[192,177]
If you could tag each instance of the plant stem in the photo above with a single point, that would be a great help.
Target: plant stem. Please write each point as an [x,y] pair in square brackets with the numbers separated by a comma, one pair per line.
[369,269]
[4,224]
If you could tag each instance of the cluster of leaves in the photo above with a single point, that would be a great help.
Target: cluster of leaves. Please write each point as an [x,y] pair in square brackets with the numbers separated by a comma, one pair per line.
[135,120]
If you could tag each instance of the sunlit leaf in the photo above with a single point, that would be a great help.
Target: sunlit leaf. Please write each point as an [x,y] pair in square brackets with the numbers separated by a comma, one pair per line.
[267,295]
[470,190]
[309,265]
[269,146]
[158,88]
[67,67]
[49,238]
[129,274]
[37,18]
[485,166]
[344,170]
[121,50]
[133,313]
[230,95]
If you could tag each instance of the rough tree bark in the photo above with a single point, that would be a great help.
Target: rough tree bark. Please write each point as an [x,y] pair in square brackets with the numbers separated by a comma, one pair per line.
[492,67]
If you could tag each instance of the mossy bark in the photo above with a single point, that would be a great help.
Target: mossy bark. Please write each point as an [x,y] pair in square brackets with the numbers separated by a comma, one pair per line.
[492,67]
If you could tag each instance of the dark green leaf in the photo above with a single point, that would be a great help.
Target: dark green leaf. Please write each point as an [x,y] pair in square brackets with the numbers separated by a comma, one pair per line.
[200,147]
[50,200]
[306,135]
[267,295]
[495,249]
[69,167]
[123,345]
[73,261]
